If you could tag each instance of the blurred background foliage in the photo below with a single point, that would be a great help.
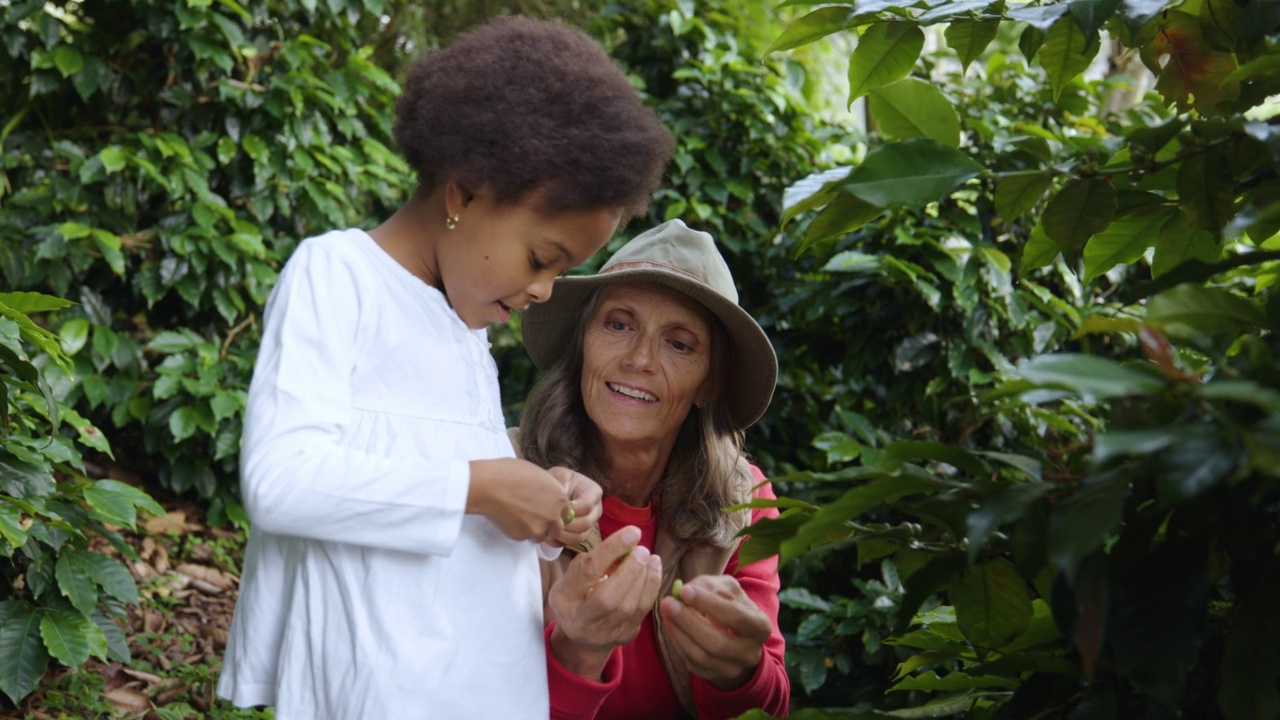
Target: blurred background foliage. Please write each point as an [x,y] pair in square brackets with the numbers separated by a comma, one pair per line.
[1022,297]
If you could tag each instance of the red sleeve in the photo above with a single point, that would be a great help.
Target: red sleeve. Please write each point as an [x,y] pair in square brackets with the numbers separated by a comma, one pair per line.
[769,688]
[574,697]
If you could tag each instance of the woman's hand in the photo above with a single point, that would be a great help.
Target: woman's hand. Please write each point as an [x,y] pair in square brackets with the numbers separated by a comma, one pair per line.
[718,629]
[601,600]
[584,506]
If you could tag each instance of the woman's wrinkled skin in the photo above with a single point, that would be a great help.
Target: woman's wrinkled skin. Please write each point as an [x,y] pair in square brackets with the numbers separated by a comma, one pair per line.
[646,360]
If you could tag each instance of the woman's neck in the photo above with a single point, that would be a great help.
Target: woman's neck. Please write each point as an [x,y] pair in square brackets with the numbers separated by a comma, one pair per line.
[634,472]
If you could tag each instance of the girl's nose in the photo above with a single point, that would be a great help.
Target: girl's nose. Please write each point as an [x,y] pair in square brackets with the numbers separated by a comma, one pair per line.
[540,290]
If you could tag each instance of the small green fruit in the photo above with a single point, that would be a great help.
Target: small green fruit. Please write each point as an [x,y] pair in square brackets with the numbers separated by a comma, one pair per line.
[675,588]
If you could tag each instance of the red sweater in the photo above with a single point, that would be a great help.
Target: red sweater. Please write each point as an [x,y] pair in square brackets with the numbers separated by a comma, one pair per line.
[635,683]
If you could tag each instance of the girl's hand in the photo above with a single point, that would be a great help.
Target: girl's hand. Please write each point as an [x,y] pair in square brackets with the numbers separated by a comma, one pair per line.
[601,600]
[523,500]
[584,506]
[718,629]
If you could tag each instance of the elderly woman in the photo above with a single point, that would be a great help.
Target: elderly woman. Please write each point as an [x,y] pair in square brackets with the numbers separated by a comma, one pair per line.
[653,374]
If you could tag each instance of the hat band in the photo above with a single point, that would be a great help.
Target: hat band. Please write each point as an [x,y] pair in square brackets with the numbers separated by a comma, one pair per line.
[647,265]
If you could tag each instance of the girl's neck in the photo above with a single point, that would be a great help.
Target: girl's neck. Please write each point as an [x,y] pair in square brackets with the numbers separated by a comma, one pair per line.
[409,236]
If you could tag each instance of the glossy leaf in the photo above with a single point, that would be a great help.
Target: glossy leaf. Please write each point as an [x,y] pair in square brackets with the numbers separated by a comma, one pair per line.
[1205,191]
[1018,192]
[844,214]
[1088,376]
[1039,251]
[117,502]
[811,192]
[1125,240]
[74,582]
[1081,523]
[33,302]
[1067,52]
[992,604]
[851,505]
[1081,209]
[969,38]
[23,657]
[1204,309]
[913,108]
[912,172]
[886,52]
[71,637]
[817,24]
[1179,241]
[999,509]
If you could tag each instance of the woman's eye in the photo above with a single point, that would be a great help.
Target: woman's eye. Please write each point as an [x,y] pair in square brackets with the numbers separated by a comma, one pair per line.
[615,325]
[681,347]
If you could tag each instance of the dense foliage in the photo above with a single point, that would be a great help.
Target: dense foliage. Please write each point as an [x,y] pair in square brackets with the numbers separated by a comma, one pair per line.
[159,162]
[1064,458]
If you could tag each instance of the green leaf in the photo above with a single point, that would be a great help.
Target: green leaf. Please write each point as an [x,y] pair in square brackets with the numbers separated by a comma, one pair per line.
[903,451]
[815,25]
[855,502]
[257,149]
[1198,460]
[68,60]
[969,38]
[1018,192]
[955,680]
[11,525]
[113,159]
[73,335]
[1179,241]
[117,643]
[33,302]
[811,192]
[1081,523]
[803,599]
[992,604]
[1067,52]
[1004,507]
[116,502]
[1088,376]
[1039,251]
[1082,208]
[171,341]
[109,245]
[911,173]
[71,637]
[1090,15]
[184,422]
[1206,190]
[1125,240]
[913,108]
[844,214]
[1204,309]
[886,52]
[23,657]
[74,581]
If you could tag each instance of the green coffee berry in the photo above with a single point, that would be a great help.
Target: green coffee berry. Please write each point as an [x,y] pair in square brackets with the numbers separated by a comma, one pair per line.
[675,588]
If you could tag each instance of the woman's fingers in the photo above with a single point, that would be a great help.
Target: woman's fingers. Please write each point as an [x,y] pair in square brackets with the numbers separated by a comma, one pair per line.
[718,629]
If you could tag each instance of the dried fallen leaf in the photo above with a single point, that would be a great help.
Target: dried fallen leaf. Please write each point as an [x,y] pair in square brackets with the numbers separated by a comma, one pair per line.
[212,576]
[128,699]
[174,522]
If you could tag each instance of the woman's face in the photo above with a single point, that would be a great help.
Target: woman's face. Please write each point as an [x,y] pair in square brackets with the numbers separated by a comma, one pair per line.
[646,361]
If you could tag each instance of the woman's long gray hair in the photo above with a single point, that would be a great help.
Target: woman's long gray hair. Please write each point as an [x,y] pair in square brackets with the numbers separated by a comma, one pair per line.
[707,471]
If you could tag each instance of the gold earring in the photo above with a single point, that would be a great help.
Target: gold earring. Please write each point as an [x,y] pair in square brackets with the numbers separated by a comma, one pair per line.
[451,222]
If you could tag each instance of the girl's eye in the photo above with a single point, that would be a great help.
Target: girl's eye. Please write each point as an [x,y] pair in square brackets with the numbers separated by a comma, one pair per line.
[537,263]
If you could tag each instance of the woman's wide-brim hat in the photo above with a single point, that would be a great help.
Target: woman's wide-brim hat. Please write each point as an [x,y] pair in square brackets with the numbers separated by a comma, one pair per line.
[685,260]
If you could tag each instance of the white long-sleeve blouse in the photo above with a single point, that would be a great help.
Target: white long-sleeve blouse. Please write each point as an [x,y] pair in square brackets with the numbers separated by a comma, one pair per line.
[366,591]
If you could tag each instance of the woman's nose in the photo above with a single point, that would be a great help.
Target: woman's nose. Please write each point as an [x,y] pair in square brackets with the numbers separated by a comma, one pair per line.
[640,353]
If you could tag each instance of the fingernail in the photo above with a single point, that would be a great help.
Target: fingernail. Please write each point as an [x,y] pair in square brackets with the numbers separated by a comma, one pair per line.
[631,534]
[641,553]
[687,593]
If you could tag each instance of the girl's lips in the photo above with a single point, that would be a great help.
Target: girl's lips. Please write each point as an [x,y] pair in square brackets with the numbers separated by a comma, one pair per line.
[504,312]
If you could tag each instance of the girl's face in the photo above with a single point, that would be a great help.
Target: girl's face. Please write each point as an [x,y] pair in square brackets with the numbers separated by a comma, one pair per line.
[501,258]
[646,358]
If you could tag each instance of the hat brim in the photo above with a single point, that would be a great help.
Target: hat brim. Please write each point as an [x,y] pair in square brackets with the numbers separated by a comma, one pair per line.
[752,370]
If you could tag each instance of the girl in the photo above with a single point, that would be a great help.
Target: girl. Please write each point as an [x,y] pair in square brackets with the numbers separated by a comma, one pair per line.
[392,571]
